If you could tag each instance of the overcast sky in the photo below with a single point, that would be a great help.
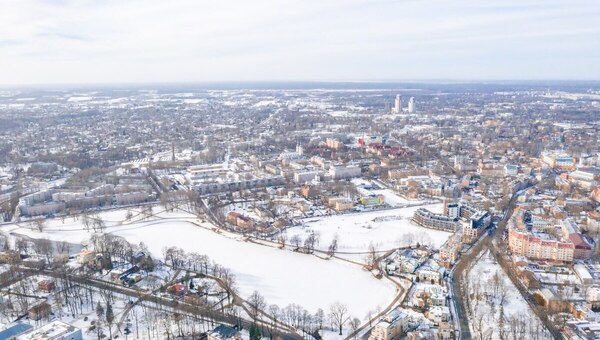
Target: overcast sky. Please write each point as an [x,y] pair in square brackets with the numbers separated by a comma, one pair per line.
[121,41]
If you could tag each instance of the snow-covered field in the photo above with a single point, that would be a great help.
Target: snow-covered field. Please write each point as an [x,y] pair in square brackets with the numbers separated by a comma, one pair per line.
[386,229]
[281,276]
[494,300]
[390,196]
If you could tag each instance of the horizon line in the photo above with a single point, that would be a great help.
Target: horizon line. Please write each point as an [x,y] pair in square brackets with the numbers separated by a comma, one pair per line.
[429,81]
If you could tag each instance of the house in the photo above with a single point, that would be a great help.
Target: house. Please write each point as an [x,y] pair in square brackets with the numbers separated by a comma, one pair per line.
[263,213]
[592,295]
[39,311]
[178,289]
[223,332]
[392,326]
[86,256]
[34,262]
[232,217]
[430,274]
[583,248]
[421,335]
[583,274]
[445,331]
[429,295]
[582,312]
[372,199]
[239,220]
[308,191]
[407,260]
[595,195]
[438,314]
[137,257]
[548,299]
[448,255]
[340,203]
[47,285]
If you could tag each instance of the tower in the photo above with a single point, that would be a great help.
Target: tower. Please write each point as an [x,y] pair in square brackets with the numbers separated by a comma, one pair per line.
[398,104]
[299,149]
[411,105]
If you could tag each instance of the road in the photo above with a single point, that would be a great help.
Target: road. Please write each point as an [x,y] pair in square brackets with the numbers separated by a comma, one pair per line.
[462,266]
[156,300]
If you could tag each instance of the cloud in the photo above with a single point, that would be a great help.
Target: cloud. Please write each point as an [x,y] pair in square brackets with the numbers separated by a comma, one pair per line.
[177,40]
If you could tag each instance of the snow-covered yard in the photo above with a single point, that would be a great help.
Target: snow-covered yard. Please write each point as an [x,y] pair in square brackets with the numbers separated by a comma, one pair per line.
[281,276]
[386,229]
[496,305]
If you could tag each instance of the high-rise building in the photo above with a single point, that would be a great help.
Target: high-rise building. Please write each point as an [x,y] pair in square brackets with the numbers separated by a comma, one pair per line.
[411,105]
[397,104]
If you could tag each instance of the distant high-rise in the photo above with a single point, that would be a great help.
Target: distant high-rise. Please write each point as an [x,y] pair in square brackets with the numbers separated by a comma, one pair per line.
[411,105]
[398,104]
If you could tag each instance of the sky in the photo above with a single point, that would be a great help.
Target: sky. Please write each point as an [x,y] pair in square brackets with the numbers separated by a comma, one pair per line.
[158,41]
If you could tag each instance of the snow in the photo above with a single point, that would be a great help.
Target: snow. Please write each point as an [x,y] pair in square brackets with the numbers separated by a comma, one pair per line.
[384,228]
[485,299]
[281,276]
[79,99]
[194,101]
[391,197]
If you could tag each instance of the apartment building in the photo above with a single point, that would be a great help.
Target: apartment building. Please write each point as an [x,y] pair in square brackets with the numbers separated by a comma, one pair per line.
[559,161]
[539,246]
[428,219]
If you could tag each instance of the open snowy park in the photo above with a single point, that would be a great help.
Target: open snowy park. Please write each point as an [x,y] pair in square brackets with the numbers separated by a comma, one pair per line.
[281,276]
[385,229]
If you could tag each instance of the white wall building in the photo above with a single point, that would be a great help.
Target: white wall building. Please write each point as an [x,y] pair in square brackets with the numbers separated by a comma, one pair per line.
[397,104]
[411,105]
[55,330]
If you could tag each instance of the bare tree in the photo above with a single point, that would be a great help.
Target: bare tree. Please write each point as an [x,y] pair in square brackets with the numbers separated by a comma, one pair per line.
[337,315]
[319,318]
[44,247]
[372,256]
[333,246]
[63,247]
[409,239]
[257,303]
[310,241]
[98,224]
[295,240]
[39,224]
[282,239]
[275,312]
[354,325]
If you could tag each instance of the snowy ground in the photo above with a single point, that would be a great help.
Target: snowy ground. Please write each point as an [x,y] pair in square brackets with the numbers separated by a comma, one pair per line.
[492,293]
[391,197]
[282,277]
[386,229]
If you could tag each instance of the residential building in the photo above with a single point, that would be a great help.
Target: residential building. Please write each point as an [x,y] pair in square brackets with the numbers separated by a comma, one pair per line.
[539,246]
[428,219]
[344,172]
[39,311]
[559,161]
[392,326]
[397,104]
[372,199]
[412,108]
